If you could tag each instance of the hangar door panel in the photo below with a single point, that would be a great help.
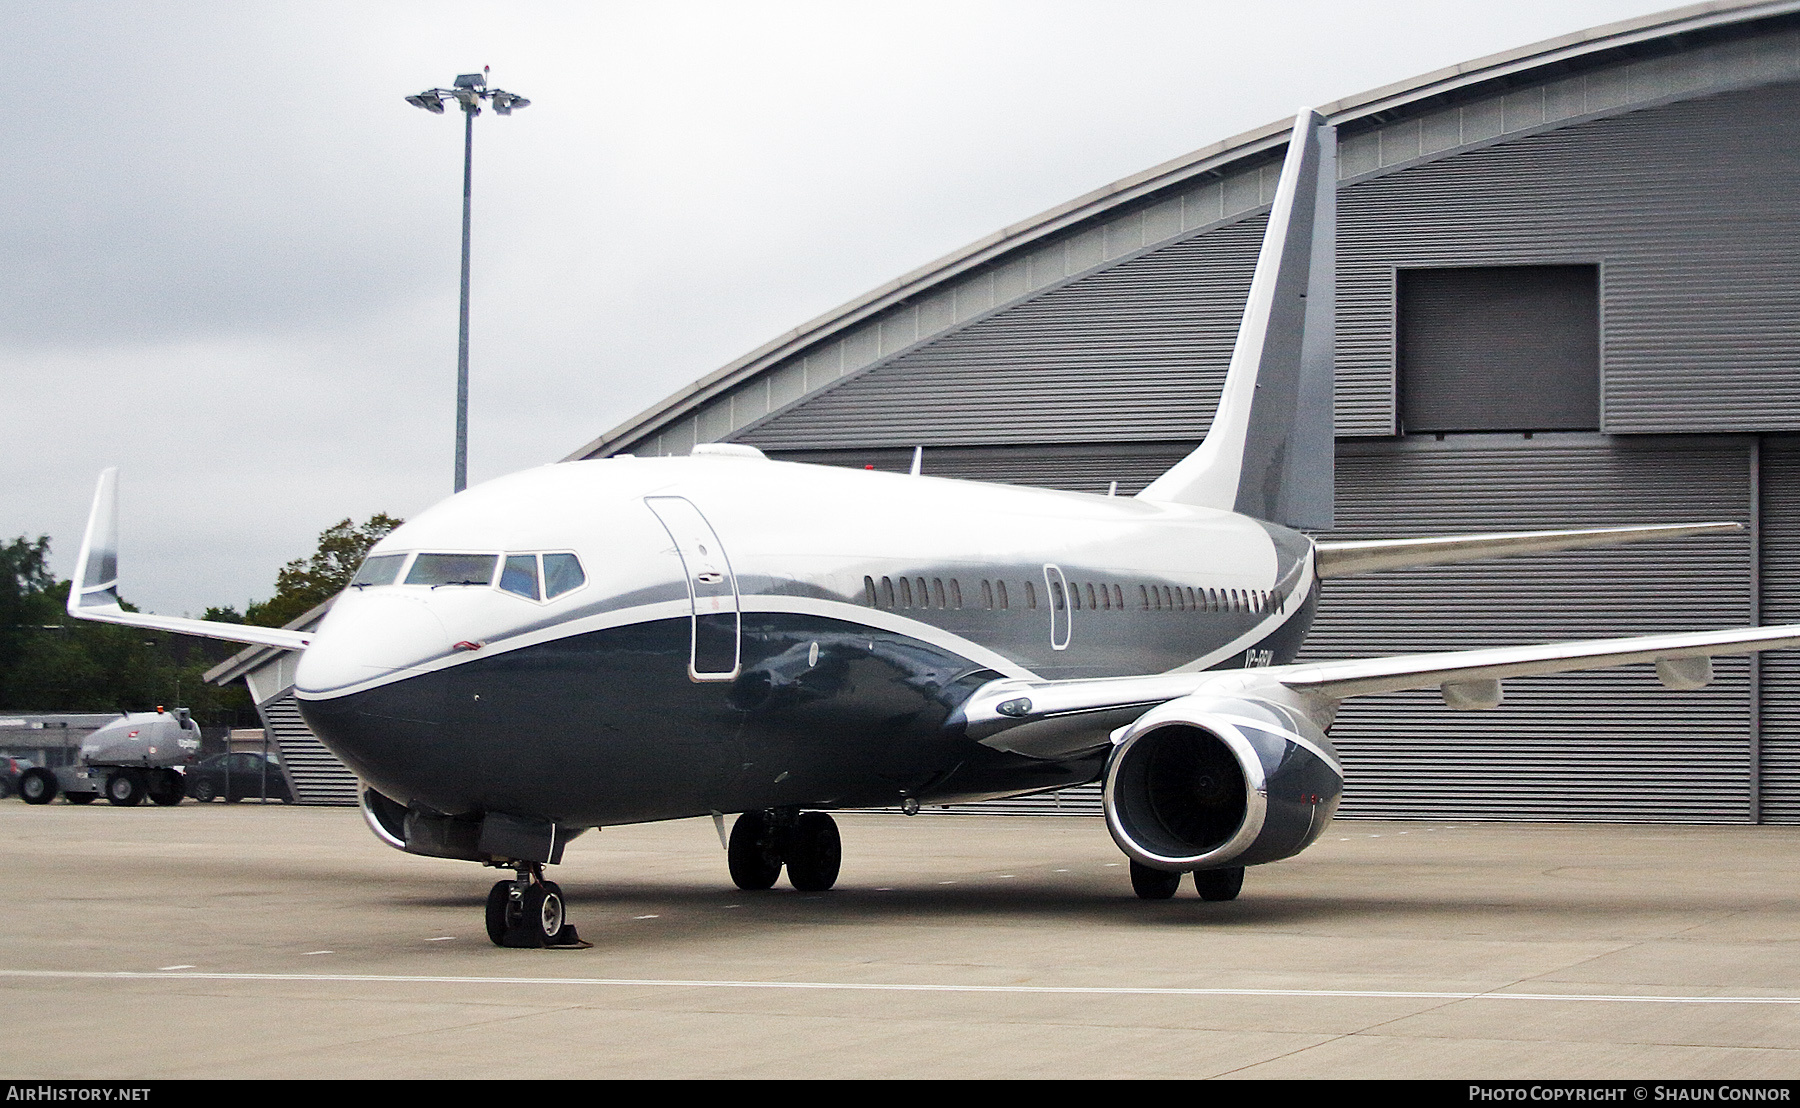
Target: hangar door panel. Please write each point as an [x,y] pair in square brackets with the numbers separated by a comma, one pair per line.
[1609,745]
[1500,348]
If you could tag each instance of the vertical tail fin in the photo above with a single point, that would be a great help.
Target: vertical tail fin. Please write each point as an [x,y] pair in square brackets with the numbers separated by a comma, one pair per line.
[1270,452]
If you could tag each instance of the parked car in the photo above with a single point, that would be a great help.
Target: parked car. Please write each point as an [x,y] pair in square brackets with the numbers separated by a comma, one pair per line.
[10,770]
[236,776]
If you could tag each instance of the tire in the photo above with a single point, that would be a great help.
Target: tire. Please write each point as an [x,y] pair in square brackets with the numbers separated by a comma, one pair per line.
[125,788]
[204,791]
[498,902]
[815,852]
[37,786]
[541,917]
[1154,884]
[165,788]
[1219,884]
[754,853]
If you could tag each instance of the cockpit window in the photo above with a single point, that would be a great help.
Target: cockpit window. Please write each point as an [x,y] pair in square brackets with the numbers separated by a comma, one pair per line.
[453,569]
[562,572]
[379,570]
[520,575]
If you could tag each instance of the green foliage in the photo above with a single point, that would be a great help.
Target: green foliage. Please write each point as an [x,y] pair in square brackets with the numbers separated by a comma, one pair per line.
[306,582]
[52,663]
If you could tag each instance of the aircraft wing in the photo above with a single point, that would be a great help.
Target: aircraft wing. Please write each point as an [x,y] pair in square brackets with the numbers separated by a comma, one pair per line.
[1064,719]
[94,593]
[1341,559]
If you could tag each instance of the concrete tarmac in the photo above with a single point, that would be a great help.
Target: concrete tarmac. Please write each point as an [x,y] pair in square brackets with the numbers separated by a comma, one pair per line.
[284,942]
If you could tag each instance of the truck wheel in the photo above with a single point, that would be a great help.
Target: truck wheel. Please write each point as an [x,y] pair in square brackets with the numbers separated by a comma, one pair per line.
[125,788]
[165,787]
[37,786]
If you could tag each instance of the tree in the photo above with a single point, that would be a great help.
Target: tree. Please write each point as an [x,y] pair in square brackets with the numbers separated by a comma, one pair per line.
[306,582]
[51,663]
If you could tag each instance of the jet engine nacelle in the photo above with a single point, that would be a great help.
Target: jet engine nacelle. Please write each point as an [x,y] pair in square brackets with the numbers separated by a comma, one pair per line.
[1206,782]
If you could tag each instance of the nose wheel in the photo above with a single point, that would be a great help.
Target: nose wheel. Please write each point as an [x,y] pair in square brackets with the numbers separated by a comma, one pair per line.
[529,911]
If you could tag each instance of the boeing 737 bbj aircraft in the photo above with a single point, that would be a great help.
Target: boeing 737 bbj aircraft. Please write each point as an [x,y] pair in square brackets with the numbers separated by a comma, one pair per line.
[632,639]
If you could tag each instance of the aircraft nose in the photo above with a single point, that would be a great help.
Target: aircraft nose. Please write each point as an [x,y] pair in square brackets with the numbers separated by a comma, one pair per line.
[369,636]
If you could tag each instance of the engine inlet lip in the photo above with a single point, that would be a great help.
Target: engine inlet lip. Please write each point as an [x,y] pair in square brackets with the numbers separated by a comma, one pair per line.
[1256,806]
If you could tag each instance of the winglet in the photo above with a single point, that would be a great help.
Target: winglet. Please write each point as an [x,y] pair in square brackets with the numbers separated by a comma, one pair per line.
[1269,452]
[96,583]
[94,591]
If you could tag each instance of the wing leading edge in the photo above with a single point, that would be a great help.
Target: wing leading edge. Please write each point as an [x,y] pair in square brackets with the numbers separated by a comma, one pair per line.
[1057,719]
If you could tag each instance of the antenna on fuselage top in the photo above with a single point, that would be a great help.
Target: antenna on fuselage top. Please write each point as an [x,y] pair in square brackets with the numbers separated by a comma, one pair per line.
[1269,452]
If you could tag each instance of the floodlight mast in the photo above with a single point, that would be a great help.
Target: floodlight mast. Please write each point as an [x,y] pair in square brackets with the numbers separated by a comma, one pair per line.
[468,91]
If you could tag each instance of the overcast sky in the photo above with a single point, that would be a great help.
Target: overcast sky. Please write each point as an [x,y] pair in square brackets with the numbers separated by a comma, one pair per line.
[231,247]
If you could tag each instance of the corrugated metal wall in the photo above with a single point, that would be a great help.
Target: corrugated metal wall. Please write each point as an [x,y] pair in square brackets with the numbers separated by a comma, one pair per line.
[1780,669]
[1607,745]
[1687,208]
[1131,353]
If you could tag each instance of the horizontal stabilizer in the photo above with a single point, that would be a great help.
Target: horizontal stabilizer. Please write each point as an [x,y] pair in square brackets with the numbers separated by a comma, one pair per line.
[94,592]
[1342,559]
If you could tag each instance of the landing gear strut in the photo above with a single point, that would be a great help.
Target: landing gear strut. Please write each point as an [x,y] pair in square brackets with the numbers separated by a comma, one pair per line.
[807,843]
[528,911]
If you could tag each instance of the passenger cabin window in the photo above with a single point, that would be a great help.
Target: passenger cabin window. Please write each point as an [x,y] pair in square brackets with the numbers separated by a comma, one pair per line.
[1000,592]
[562,573]
[520,575]
[383,569]
[955,593]
[453,569]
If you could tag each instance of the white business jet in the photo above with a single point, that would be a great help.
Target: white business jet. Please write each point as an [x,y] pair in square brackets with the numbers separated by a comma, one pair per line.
[632,639]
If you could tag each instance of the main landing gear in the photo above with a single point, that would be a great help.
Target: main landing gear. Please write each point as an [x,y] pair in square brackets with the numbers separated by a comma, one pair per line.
[806,843]
[528,911]
[1161,884]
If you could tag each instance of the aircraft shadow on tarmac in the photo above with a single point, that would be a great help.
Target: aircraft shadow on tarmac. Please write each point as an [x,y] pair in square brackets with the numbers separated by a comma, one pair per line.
[601,904]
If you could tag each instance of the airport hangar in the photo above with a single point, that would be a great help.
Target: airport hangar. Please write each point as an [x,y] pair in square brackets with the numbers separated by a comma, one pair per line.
[1568,295]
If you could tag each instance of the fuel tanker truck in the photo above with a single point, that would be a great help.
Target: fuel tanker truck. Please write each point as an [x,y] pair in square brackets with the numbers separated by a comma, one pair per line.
[135,756]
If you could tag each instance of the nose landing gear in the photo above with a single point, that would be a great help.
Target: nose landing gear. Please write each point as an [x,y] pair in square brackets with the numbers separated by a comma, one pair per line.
[529,911]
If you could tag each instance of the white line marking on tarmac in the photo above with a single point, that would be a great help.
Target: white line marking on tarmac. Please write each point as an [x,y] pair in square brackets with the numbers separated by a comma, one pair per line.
[859,986]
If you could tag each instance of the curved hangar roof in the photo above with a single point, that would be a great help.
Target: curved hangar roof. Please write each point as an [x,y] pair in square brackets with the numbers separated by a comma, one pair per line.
[1685,54]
